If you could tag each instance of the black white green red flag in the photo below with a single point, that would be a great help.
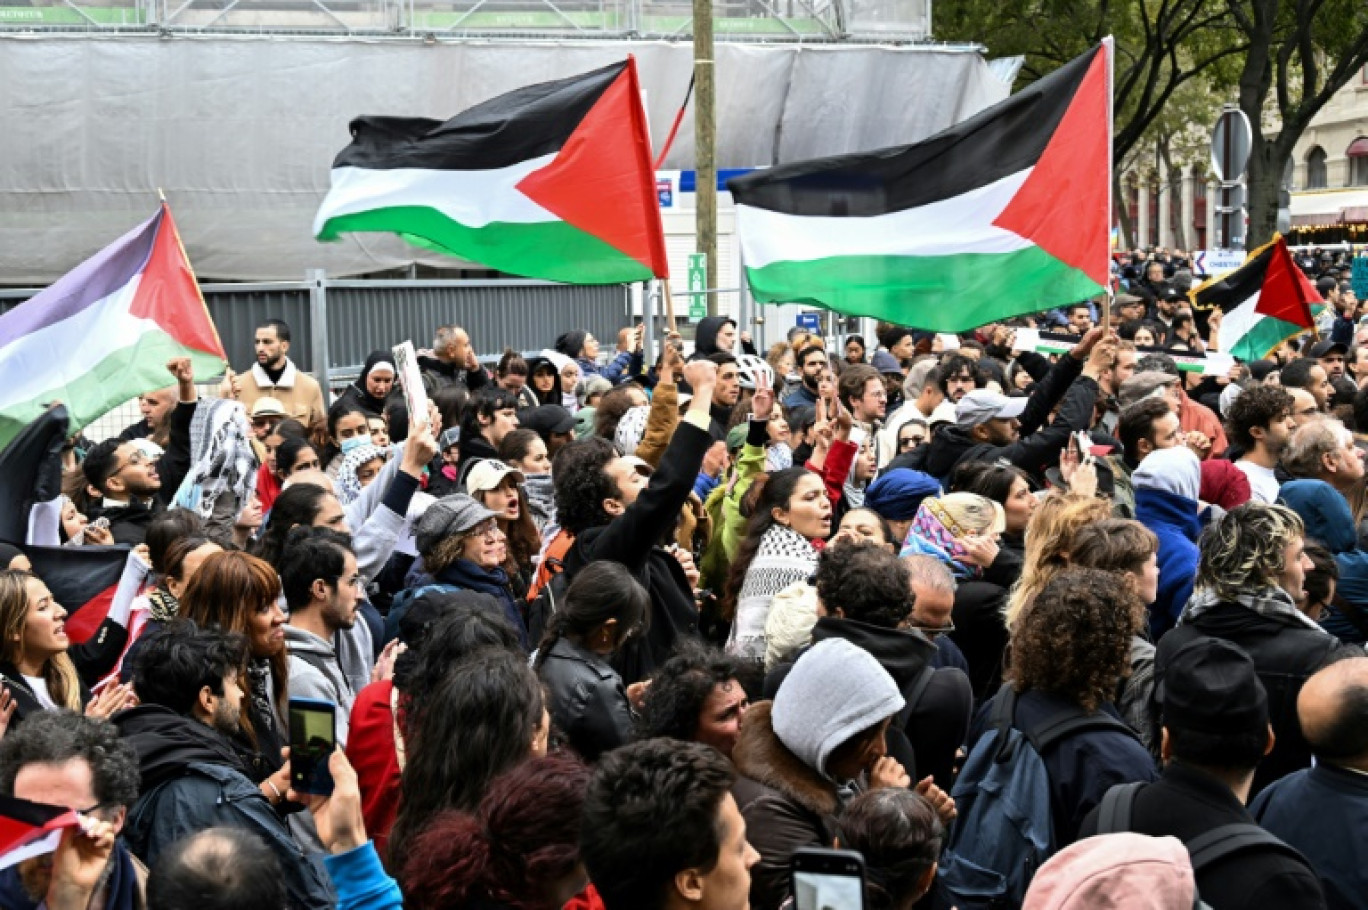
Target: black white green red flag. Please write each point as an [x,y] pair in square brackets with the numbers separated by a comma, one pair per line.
[1263,303]
[550,181]
[1003,214]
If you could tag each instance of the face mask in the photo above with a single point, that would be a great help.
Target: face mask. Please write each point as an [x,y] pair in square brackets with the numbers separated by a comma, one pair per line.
[356,442]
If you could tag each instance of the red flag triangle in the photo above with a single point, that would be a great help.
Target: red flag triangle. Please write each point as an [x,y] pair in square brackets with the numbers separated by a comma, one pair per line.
[601,180]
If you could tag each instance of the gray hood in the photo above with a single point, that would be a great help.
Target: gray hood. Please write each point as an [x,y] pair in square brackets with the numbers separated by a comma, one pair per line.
[835,691]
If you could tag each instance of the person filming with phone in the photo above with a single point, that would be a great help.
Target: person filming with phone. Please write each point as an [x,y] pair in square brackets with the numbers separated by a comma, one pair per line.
[192,778]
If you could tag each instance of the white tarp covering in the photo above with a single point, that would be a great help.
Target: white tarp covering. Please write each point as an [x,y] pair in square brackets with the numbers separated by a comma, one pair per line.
[240,132]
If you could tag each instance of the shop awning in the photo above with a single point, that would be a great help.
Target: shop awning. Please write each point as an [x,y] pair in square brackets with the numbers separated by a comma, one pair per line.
[1358,148]
[1330,207]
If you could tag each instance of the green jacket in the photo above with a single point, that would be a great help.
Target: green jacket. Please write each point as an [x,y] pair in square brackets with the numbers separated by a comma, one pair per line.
[729,525]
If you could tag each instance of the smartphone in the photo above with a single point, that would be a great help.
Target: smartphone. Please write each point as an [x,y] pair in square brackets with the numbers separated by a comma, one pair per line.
[828,879]
[313,737]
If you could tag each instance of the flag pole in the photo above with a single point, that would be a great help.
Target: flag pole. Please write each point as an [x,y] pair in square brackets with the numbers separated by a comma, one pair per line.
[669,308]
[1109,48]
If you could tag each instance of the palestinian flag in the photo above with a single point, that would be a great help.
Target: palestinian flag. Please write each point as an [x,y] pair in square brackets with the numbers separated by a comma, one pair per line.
[1003,214]
[29,829]
[1263,303]
[102,334]
[551,181]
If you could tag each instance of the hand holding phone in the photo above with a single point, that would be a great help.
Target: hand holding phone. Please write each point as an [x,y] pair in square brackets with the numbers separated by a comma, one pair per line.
[313,738]
[825,879]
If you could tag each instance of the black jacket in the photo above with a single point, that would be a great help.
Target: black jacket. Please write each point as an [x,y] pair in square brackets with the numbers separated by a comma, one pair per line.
[438,374]
[587,699]
[936,719]
[633,539]
[1323,812]
[1039,445]
[705,336]
[1285,655]
[981,633]
[192,780]
[473,448]
[25,702]
[1186,803]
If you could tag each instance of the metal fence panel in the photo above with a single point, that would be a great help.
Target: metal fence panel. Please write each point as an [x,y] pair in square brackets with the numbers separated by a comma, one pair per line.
[365,315]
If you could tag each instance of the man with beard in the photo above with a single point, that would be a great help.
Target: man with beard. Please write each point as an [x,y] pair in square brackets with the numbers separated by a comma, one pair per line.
[812,363]
[1260,422]
[319,577]
[192,778]
[276,375]
[992,427]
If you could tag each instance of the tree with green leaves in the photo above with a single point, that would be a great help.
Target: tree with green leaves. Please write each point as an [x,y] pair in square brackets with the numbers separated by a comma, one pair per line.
[1299,53]
[1161,45]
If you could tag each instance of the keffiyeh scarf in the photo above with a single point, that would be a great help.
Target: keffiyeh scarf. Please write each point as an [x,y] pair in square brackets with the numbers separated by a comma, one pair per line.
[348,486]
[221,457]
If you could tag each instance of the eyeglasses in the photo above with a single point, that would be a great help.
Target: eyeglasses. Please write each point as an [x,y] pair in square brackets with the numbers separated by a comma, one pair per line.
[134,460]
[930,632]
[489,530]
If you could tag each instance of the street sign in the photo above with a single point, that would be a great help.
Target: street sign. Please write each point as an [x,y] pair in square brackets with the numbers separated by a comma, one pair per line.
[1217,262]
[1230,144]
[698,284]
[809,322]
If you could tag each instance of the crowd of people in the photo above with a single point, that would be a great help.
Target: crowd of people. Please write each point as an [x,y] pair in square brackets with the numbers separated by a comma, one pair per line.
[611,629]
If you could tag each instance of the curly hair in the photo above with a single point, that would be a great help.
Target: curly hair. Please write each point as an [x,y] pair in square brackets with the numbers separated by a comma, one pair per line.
[1049,537]
[1075,639]
[1256,407]
[1243,550]
[582,484]
[56,737]
[866,583]
[522,838]
[681,687]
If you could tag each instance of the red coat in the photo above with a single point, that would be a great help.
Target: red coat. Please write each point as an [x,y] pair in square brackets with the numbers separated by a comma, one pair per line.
[371,751]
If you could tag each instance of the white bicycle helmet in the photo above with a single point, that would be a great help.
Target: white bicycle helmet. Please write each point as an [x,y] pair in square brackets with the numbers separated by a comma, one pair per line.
[749,366]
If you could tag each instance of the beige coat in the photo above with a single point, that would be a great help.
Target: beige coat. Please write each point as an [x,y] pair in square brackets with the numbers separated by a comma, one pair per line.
[298,393]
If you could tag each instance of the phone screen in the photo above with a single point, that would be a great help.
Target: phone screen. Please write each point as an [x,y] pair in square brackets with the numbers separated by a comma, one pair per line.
[827,891]
[312,740]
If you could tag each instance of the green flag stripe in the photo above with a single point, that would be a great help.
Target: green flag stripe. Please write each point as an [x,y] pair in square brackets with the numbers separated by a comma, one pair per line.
[550,250]
[970,289]
[124,374]
[1263,337]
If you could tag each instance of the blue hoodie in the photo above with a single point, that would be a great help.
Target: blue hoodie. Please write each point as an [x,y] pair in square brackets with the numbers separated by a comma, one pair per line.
[1174,518]
[1325,512]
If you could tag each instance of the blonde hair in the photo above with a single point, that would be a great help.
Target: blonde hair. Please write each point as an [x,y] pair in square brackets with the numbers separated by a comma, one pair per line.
[1048,539]
[58,671]
[969,513]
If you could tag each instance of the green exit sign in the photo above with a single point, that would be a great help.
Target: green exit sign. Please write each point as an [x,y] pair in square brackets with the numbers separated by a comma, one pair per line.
[698,284]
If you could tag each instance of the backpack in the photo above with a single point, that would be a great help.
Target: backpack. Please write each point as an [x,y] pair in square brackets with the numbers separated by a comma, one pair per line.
[1206,850]
[1005,828]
